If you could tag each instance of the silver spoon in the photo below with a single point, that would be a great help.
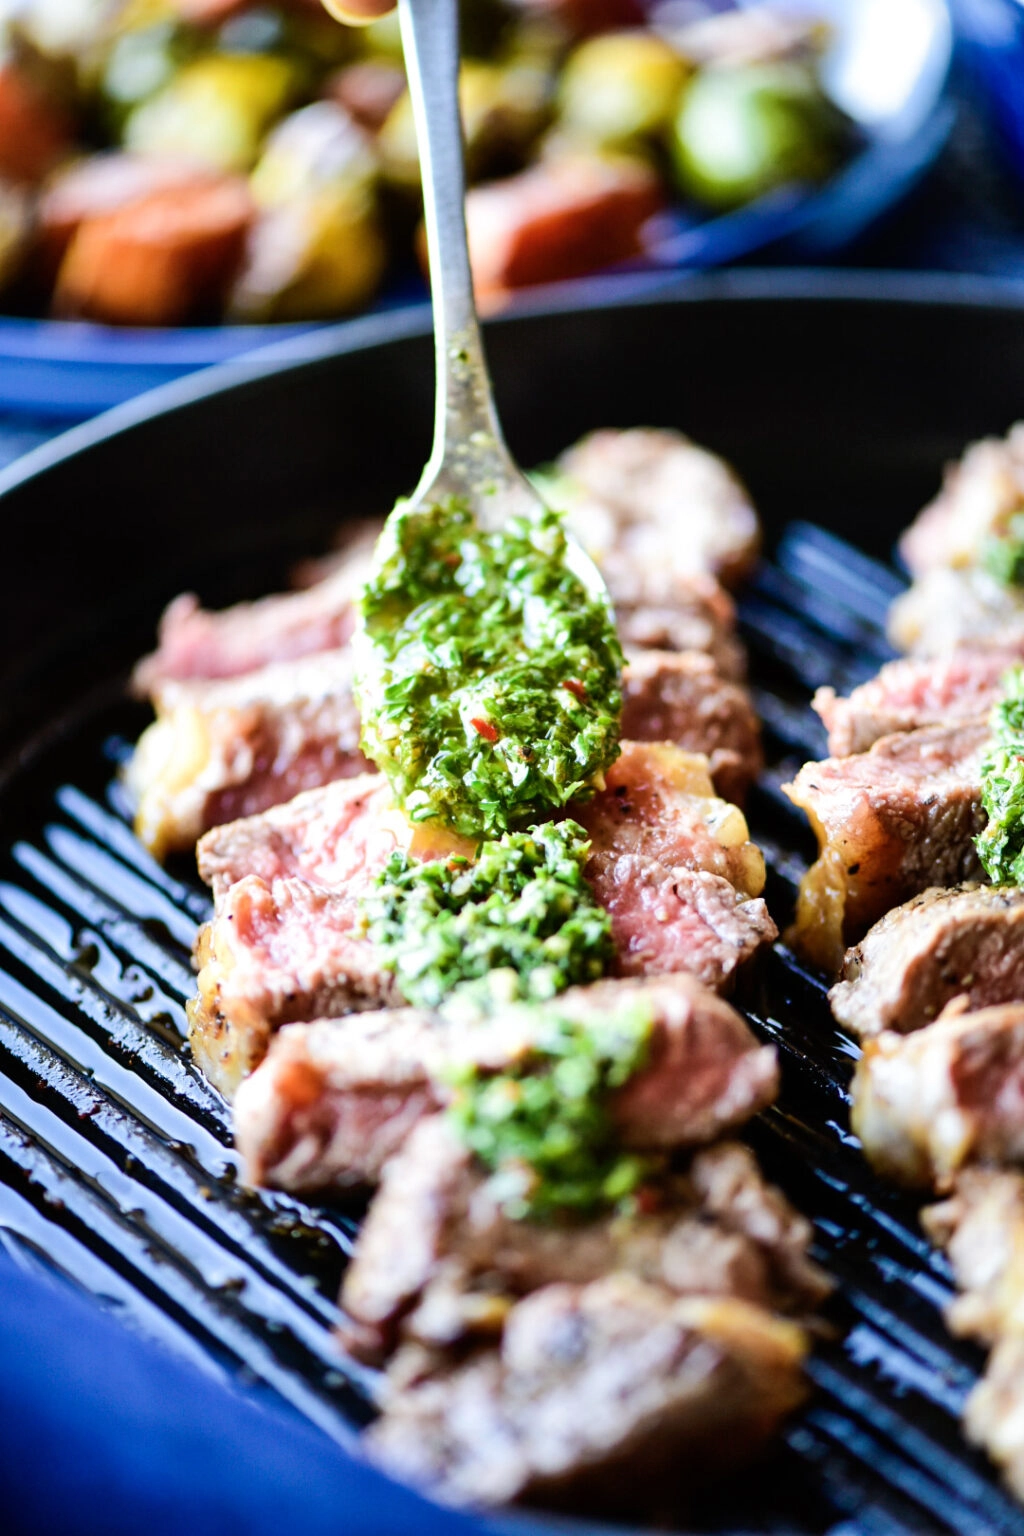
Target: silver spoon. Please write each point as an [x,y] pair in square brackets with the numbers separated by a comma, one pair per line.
[469,459]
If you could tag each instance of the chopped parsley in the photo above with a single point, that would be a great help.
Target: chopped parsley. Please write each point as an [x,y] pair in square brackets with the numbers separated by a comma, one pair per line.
[1001,845]
[521,915]
[489,675]
[543,1127]
[1002,555]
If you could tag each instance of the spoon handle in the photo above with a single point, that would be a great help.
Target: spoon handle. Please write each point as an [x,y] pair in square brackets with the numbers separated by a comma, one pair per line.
[469,451]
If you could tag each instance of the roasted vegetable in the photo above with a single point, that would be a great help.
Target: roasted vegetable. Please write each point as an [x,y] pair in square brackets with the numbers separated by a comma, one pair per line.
[621,88]
[217,109]
[741,132]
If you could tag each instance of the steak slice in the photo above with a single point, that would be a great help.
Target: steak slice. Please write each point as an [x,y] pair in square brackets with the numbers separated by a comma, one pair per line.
[967,941]
[680,696]
[601,1395]
[194,643]
[334,1099]
[953,1093]
[979,495]
[652,507]
[673,866]
[981,1227]
[437,1251]
[890,823]
[908,694]
[222,750]
[226,749]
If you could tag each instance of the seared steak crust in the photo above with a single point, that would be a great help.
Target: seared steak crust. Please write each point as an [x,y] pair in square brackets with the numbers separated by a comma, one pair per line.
[952,1093]
[967,941]
[681,697]
[890,823]
[597,1395]
[721,1229]
[334,1099]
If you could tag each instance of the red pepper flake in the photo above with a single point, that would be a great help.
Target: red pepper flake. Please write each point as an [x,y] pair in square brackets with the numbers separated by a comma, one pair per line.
[484,728]
[648,1199]
[576,688]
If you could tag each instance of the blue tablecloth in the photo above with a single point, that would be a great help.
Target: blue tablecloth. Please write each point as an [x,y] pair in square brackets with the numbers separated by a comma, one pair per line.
[103,1434]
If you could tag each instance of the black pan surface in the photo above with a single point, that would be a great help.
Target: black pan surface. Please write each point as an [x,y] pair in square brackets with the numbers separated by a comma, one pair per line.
[838,398]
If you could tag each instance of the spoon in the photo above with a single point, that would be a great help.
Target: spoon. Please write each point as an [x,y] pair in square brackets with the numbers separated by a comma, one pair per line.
[469,459]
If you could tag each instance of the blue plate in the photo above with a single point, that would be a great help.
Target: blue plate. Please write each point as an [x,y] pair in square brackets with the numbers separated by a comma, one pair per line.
[887,67]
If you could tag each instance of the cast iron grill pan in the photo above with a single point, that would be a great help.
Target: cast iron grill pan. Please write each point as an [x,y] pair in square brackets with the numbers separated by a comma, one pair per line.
[117,1172]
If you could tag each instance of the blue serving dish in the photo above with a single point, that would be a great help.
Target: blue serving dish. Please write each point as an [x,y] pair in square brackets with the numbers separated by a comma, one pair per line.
[887,67]
[991,33]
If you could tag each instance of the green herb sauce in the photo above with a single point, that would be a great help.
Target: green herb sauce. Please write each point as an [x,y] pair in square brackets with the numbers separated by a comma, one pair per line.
[1001,845]
[489,677]
[521,916]
[543,1126]
[1002,555]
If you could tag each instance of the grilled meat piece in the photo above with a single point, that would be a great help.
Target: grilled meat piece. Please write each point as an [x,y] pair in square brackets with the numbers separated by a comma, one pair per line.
[194,643]
[967,941]
[679,696]
[908,694]
[651,507]
[334,1099]
[674,868]
[981,1227]
[699,616]
[927,1103]
[979,495]
[221,750]
[599,1394]
[224,749]
[671,863]
[437,1253]
[946,610]
[890,823]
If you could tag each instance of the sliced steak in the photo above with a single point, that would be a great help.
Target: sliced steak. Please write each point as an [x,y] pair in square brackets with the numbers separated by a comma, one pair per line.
[979,495]
[276,952]
[946,610]
[967,941]
[334,1099]
[437,1239]
[680,696]
[672,864]
[674,867]
[652,507]
[700,616]
[953,1093]
[194,643]
[222,750]
[981,1227]
[908,694]
[599,1396]
[890,823]
[226,749]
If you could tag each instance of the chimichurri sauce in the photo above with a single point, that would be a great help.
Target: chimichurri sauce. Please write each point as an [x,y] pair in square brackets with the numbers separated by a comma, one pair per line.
[1001,845]
[489,676]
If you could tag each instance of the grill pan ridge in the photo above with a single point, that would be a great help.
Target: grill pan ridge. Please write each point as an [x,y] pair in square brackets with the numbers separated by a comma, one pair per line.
[117,1170]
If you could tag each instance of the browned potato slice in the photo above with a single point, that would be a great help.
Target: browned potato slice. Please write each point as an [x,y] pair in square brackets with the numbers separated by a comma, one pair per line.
[157,261]
[33,130]
[560,219]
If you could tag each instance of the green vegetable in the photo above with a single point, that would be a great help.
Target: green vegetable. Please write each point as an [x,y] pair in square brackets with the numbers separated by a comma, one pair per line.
[1001,845]
[1002,555]
[523,910]
[489,677]
[740,131]
[620,87]
[543,1126]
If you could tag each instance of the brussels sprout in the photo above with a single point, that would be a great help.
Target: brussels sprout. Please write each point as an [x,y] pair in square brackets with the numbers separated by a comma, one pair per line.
[740,132]
[216,110]
[503,110]
[620,87]
[319,254]
[141,62]
[317,147]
